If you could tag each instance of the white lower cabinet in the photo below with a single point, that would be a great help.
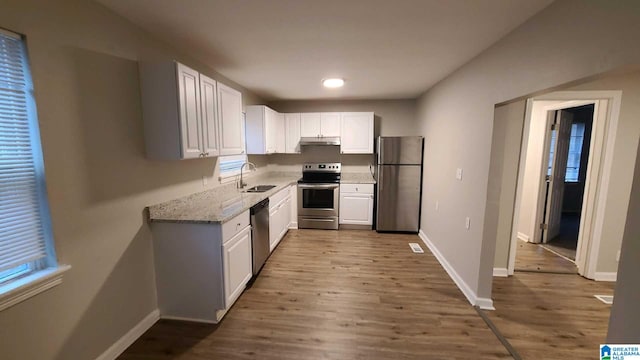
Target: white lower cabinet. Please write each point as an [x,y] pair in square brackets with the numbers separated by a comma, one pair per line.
[279,216]
[237,265]
[356,204]
[201,269]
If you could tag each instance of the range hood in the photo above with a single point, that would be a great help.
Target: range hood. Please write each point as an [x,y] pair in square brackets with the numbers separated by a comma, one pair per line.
[325,140]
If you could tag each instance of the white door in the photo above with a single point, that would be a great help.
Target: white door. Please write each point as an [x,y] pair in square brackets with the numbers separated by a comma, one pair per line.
[281,140]
[330,124]
[230,119]
[357,133]
[208,105]
[190,120]
[292,128]
[310,125]
[555,189]
[285,217]
[274,227]
[237,265]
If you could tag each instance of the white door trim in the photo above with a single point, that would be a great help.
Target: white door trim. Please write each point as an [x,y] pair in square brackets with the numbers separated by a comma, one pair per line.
[606,114]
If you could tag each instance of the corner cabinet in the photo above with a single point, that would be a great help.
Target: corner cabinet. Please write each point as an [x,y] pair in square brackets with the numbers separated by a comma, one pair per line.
[356,205]
[265,130]
[187,114]
[357,133]
[292,136]
[201,269]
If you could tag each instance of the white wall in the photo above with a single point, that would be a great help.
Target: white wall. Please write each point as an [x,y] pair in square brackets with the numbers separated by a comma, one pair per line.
[84,63]
[567,41]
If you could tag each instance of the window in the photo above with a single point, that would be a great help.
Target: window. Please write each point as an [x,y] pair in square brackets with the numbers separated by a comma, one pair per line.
[230,165]
[575,152]
[26,248]
[574,155]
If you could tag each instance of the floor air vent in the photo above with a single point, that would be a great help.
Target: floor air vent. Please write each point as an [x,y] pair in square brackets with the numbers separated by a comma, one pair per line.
[607,299]
[416,248]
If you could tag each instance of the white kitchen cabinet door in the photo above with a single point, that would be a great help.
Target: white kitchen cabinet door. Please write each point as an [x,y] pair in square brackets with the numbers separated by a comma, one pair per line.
[274,227]
[237,265]
[292,130]
[285,213]
[281,138]
[356,209]
[208,105]
[310,125]
[230,120]
[330,124]
[357,133]
[189,104]
[271,130]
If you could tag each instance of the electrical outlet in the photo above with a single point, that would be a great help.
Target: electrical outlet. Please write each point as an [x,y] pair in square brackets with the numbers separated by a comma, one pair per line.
[467,223]
[459,174]
[437,205]
[618,256]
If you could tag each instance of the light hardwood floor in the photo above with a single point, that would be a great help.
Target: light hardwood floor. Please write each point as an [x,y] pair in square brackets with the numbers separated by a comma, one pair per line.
[336,295]
[551,316]
[533,257]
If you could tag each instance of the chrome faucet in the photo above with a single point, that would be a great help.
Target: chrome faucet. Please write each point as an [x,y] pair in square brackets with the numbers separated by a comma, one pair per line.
[242,184]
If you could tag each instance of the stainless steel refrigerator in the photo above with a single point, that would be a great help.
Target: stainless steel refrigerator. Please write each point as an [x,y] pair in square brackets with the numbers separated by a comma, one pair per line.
[399,183]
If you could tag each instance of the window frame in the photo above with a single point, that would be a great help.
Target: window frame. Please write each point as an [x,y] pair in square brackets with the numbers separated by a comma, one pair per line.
[20,284]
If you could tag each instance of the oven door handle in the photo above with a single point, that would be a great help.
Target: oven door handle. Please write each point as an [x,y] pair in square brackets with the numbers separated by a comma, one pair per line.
[319,186]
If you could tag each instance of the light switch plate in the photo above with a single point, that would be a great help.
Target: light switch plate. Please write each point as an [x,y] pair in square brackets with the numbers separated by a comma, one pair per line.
[467,223]
[459,174]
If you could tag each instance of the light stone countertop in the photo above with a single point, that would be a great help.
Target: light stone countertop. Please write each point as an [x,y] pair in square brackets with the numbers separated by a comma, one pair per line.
[220,204]
[357,178]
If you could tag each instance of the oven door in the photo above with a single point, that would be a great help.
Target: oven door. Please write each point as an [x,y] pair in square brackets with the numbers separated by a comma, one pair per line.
[318,200]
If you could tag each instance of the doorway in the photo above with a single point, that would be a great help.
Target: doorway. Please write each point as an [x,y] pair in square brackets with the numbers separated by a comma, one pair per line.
[568,157]
[557,163]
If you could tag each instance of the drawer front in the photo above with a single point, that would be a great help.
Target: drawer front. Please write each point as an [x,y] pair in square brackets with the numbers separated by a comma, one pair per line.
[356,188]
[234,226]
[276,199]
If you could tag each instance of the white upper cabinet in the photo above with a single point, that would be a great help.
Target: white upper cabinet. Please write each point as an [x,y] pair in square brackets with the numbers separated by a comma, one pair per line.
[319,124]
[310,125]
[209,111]
[190,119]
[265,130]
[330,124]
[292,129]
[230,119]
[281,136]
[357,133]
[188,115]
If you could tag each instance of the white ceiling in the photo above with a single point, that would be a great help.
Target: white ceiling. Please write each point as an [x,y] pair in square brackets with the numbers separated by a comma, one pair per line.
[282,49]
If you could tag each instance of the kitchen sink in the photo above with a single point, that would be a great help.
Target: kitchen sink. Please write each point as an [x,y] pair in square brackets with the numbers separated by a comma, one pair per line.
[260,188]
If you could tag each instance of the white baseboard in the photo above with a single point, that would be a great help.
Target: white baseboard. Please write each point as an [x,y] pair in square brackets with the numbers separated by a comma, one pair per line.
[523,237]
[130,337]
[500,272]
[483,303]
[606,276]
[293,225]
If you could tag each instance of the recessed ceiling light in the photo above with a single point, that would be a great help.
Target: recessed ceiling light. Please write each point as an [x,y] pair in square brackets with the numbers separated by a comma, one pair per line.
[333,83]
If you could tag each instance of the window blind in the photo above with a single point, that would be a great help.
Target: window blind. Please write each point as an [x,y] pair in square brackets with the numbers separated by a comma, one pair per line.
[22,235]
[230,165]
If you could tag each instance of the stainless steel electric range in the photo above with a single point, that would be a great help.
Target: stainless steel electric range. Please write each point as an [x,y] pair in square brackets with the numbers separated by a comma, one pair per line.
[319,196]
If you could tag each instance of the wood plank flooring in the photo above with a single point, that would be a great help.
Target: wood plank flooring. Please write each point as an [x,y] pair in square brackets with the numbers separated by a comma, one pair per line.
[336,295]
[551,316]
[533,257]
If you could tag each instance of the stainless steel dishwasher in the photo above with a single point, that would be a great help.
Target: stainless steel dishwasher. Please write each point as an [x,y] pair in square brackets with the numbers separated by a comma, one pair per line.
[260,234]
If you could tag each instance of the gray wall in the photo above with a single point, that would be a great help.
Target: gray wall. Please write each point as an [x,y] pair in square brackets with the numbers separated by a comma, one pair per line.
[84,63]
[503,178]
[624,323]
[567,41]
